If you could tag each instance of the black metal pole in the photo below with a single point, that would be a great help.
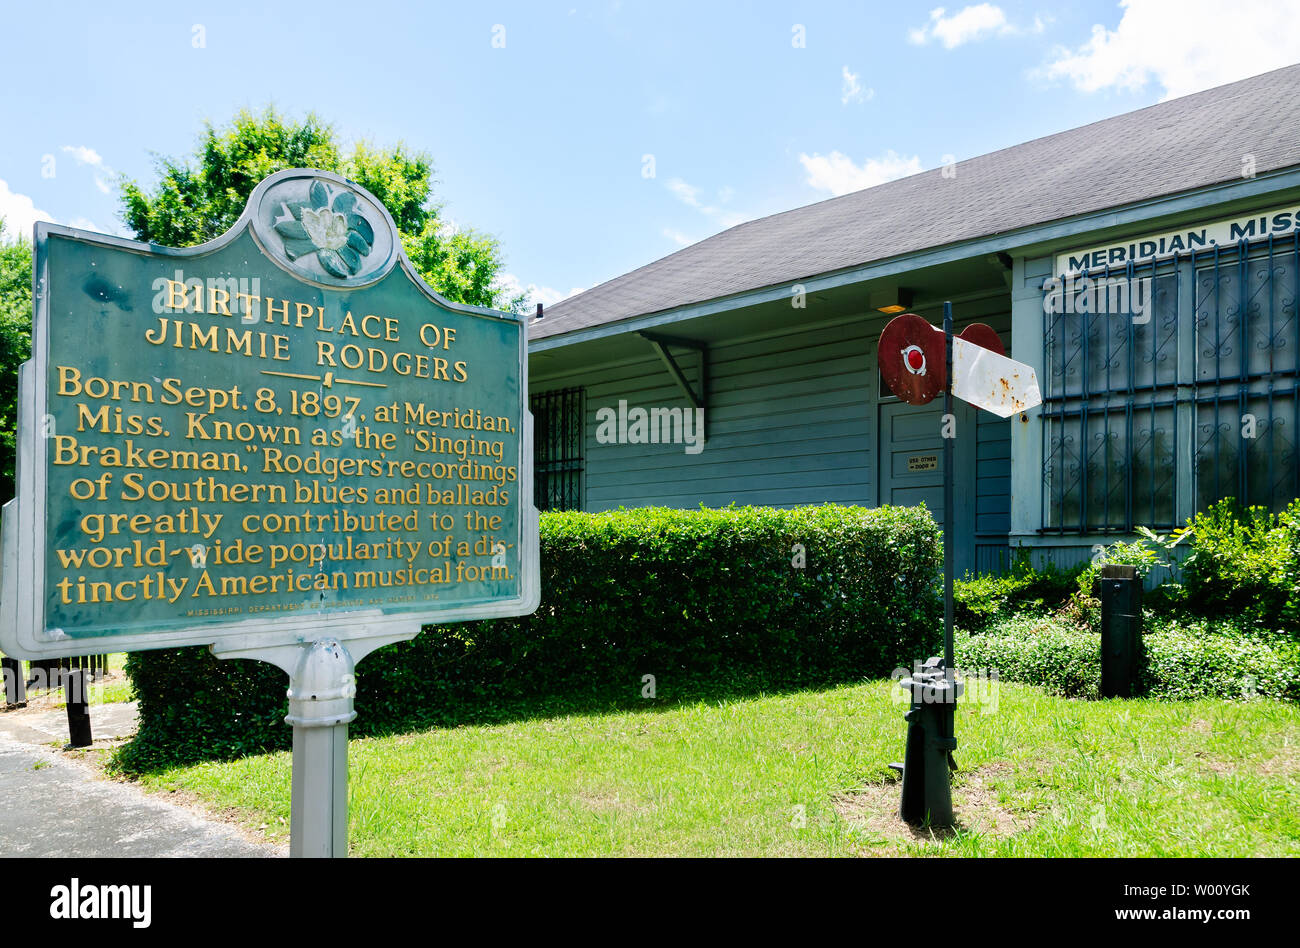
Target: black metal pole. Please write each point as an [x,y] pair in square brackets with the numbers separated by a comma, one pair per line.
[15,685]
[934,690]
[949,513]
[78,704]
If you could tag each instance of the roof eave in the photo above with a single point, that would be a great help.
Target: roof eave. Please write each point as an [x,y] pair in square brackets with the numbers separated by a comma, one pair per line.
[1183,201]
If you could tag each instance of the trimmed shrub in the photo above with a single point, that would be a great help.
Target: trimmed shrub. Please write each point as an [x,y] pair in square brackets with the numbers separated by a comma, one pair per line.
[1217,659]
[982,600]
[1180,660]
[709,602]
[1059,657]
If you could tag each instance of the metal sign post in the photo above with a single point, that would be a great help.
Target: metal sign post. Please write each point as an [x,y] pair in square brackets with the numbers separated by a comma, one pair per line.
[322,686]
[321,690]
[971,366]
[283,445]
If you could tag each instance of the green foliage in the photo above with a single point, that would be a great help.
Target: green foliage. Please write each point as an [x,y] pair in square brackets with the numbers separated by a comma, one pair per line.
[1144,554]
[1217,658]
[1051,653]
[193,203]
[461,264]
[15,343]
[1182,659]
[1291,573]
[199,198]
[709,602]
[981,600]
[1227,630]
[1245,562]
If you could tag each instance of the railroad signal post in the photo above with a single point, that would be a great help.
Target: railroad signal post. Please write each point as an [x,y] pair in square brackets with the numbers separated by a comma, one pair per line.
[917,361]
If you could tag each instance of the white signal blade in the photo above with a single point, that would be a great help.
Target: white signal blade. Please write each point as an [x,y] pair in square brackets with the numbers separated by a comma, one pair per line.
[991,381]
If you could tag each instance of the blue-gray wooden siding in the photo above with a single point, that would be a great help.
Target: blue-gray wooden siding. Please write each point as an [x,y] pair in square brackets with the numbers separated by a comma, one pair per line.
[792,420]
[788,424]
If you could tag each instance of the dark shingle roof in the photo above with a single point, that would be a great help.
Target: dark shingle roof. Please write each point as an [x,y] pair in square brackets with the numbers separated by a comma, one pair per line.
[1179,145]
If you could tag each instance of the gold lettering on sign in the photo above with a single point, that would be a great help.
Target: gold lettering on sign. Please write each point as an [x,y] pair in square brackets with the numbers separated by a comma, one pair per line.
[313,486]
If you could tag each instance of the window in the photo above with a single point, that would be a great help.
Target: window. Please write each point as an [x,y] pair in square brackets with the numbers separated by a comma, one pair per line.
[1247,366]
[1148,419]
[558,420]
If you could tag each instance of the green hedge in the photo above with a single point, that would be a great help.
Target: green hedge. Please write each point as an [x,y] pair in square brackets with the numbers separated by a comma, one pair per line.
[1181,659]
[1051,653]
[980,601]
[708,601]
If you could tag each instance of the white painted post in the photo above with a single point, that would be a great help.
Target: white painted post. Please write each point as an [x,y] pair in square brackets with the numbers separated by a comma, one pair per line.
[321,693]
[322,689]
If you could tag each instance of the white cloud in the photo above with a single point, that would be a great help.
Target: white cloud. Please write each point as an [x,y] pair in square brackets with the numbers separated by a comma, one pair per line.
[88,156]
[965,26]
[677,237]
[19,213]
[690,195]
[851,90]
[535,294]
[84,155]
[685,193]
[838,174]
[1182,45]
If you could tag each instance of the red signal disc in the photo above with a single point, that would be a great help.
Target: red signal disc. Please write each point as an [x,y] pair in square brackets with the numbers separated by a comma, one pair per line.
[916,387]
[983,335]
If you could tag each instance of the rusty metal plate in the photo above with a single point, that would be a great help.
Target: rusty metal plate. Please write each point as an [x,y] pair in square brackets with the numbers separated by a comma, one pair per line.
[991,381]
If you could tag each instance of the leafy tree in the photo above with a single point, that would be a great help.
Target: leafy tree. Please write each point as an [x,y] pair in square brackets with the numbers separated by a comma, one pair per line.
[199,198]
[15,343]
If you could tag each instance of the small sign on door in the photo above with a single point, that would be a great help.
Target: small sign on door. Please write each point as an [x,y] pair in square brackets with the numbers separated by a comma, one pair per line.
[923,462]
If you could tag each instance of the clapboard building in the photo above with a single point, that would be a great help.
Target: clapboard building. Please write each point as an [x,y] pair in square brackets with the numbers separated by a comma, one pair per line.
[1147,266]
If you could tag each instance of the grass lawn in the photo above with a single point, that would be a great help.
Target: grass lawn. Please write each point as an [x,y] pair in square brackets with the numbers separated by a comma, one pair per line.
[806,774]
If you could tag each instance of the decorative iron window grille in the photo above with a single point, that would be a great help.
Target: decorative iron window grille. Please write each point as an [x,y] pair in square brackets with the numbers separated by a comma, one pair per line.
[557,449]
[1143,423]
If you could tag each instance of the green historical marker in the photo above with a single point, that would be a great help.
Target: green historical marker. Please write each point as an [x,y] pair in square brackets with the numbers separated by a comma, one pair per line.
[281,444]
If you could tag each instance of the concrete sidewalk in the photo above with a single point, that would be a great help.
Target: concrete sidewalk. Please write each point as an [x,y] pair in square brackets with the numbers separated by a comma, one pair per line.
[54,806]
[32,726]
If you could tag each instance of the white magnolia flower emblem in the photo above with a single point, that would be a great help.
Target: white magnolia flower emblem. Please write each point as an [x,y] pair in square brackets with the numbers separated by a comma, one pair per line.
[327,229]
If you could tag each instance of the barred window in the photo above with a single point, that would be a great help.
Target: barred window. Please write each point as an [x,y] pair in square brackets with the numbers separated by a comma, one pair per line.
[557,448]
[1146,419]
[1247,368]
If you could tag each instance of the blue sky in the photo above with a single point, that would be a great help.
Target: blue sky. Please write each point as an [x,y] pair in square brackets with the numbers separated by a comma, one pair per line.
[539,115]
